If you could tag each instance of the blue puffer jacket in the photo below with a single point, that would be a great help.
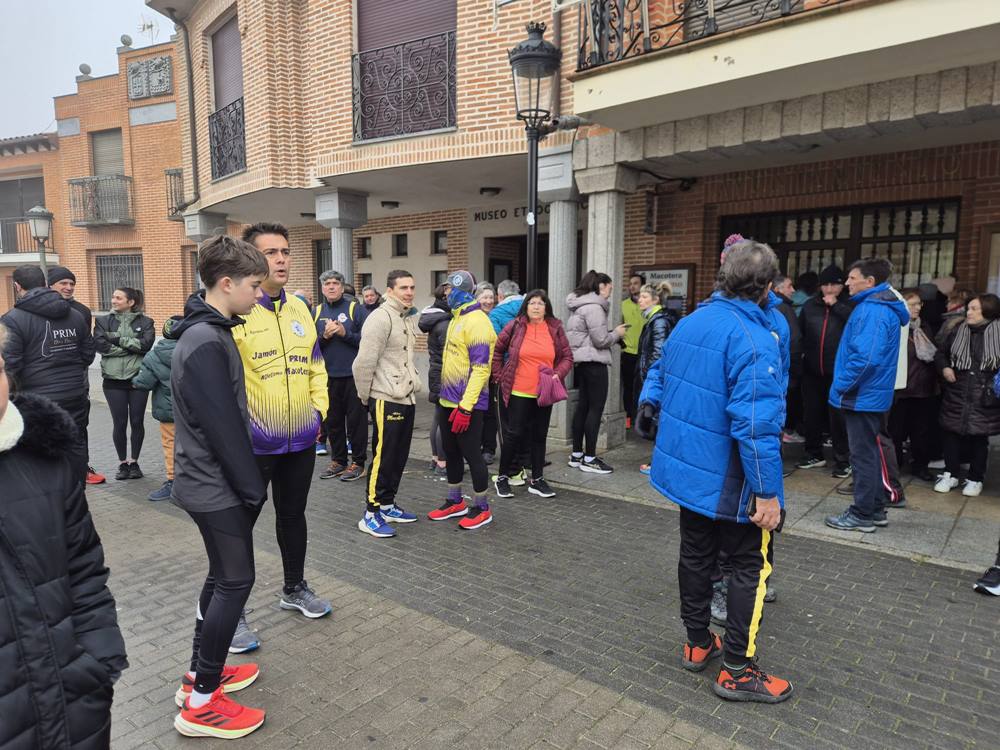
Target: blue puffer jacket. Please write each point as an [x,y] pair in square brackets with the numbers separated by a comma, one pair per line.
[506,311]
[719,389]
[864,376]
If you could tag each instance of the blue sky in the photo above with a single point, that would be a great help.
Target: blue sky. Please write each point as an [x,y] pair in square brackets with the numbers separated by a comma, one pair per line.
[44,42]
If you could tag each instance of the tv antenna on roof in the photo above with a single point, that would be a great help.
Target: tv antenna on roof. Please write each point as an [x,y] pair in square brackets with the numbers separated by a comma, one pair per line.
[149,27]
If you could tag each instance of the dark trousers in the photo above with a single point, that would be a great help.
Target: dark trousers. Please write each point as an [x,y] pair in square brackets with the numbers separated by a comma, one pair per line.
[346,420]
[490,422]
[463,448]
[976,448]
[290,475]
[748,564]
[867,460]
[79,411]
[793,406]
[128,409]
[914,418]
[392,431]
[228,538]
[889,463]
[522,452]
[818,416]
[630,389]
[591,380]
[527,425]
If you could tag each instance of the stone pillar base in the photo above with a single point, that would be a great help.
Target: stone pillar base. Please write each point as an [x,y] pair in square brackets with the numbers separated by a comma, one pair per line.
[560,432]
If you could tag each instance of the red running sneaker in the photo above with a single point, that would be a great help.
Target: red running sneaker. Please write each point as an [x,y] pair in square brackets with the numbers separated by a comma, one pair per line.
[221,717]
[481,518]
[93,477]
[235,677]
[696,658]
[448,510]
[751,684]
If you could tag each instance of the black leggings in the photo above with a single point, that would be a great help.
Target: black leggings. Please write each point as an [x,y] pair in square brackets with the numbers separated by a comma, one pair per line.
[437,449]
[228,537]
[290,475]
[464,447]
[591,379]
[128,407]
[527,424]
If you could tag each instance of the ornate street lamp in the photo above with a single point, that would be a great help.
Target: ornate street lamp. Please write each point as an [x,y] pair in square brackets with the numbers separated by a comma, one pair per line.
[40,223]
[534,64]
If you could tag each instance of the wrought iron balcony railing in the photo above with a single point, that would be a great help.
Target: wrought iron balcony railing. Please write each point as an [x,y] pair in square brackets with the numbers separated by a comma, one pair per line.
[614,30]
[405,88]
[175,193]
[102,200]
[15,236]
[227,140]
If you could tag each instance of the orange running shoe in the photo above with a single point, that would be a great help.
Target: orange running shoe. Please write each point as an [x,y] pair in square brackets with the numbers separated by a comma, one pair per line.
[93,477]
[696,658]
[235,677]
[481,518]
[448,510]
[751,684]
[221,717]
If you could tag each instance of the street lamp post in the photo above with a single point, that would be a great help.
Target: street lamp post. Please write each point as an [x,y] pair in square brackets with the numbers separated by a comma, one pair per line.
[40,223]
[534,64]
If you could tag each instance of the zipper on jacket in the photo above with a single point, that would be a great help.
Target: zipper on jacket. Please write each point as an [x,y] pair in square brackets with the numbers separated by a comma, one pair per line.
[822,342]
[288,385]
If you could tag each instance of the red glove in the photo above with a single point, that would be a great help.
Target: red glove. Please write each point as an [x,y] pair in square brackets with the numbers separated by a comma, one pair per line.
[460,419]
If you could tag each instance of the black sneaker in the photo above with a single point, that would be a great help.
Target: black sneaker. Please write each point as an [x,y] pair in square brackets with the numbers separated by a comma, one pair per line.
[502,485]
[990,582]
[847,489]
[881,518]
[134,472]
[811,462]
[595,466]
[842,472]
[123,472]
[489,458]
[541,488]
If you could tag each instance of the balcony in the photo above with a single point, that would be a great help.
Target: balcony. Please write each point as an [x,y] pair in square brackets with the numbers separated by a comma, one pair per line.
[101,200]
[227,140]
[615,30]
[15,236]
[175,193]
[404,89]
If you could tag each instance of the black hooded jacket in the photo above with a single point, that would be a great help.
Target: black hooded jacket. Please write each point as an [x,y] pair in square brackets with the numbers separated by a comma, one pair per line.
[214,465]
[49,346]
[434,322]
[822,326]
[60,646]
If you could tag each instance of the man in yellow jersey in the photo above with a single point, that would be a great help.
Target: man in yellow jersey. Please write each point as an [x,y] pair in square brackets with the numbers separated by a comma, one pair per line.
[286,399]
[633,318]
[387,384]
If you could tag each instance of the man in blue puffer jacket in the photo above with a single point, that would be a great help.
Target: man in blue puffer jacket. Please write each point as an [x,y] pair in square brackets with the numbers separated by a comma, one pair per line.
[864,378]
[719,388]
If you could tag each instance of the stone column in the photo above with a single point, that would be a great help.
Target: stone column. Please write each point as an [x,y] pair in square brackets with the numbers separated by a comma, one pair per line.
[606,188]
[342,211]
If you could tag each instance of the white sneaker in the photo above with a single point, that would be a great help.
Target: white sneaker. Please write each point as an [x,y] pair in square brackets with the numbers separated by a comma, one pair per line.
[972,489]
[946,483]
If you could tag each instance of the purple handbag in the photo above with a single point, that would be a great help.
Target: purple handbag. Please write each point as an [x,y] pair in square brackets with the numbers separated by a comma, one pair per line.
[550,390]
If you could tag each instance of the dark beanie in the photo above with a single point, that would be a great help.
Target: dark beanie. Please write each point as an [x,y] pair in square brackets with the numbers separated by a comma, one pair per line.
[831,275]
[60,273]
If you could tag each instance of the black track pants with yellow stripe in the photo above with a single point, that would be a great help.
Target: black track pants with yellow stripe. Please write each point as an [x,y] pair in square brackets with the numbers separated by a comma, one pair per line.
[749,552]
[392,431]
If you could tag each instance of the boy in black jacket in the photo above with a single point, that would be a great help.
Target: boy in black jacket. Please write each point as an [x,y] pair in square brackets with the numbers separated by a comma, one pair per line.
[216,481]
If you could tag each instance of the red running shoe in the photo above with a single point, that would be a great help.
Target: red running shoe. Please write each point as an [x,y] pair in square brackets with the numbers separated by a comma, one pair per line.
[221,717]
[234,678]
[751,684]
[448,510]
[696,658]
[481,518]
[94,478]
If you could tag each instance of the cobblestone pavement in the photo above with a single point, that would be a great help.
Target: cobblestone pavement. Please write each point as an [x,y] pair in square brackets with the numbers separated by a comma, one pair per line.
[556,626]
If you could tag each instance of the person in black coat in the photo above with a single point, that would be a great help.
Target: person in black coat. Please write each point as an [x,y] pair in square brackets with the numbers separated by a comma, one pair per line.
[822,322]
[434,321]
[60,647]
[793,397]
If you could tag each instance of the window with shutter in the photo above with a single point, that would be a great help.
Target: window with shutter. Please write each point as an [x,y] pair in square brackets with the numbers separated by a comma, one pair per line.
[106,150]
[382,23]
[227,63]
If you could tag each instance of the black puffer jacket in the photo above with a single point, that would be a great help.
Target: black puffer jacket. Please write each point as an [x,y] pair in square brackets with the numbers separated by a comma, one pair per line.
[60,647]
[822,327]
[787,309]
[654,335]
[968,406]
[434,322]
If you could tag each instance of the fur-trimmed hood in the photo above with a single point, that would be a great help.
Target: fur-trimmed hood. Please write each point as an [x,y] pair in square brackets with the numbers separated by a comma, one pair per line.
[48,429]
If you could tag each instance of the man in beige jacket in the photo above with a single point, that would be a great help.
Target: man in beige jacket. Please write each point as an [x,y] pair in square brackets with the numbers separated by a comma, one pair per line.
[387,383]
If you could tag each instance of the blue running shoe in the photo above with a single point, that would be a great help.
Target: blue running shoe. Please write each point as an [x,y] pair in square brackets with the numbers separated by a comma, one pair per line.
[395,514]
[376,526]
[321,449]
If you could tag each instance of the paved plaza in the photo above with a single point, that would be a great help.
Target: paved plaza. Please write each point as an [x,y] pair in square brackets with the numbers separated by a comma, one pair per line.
[555,627]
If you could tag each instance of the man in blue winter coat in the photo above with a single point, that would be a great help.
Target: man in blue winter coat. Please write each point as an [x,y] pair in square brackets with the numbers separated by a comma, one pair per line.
[720,392]
[864,378]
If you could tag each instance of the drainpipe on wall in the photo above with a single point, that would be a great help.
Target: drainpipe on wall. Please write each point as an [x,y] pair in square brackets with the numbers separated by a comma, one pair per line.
[192,135]
[557,41]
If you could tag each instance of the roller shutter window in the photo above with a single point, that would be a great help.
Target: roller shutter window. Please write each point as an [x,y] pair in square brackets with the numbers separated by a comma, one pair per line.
[106,148]
[227,63]
[382,23]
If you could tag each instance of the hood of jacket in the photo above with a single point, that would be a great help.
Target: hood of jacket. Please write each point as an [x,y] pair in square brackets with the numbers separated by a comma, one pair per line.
[45,302]
[197,310]
[575,302]
[433,314]
[882,294]
[48,430]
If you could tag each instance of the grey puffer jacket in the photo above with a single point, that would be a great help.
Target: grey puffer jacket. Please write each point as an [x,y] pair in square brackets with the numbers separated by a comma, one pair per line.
[587,328]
